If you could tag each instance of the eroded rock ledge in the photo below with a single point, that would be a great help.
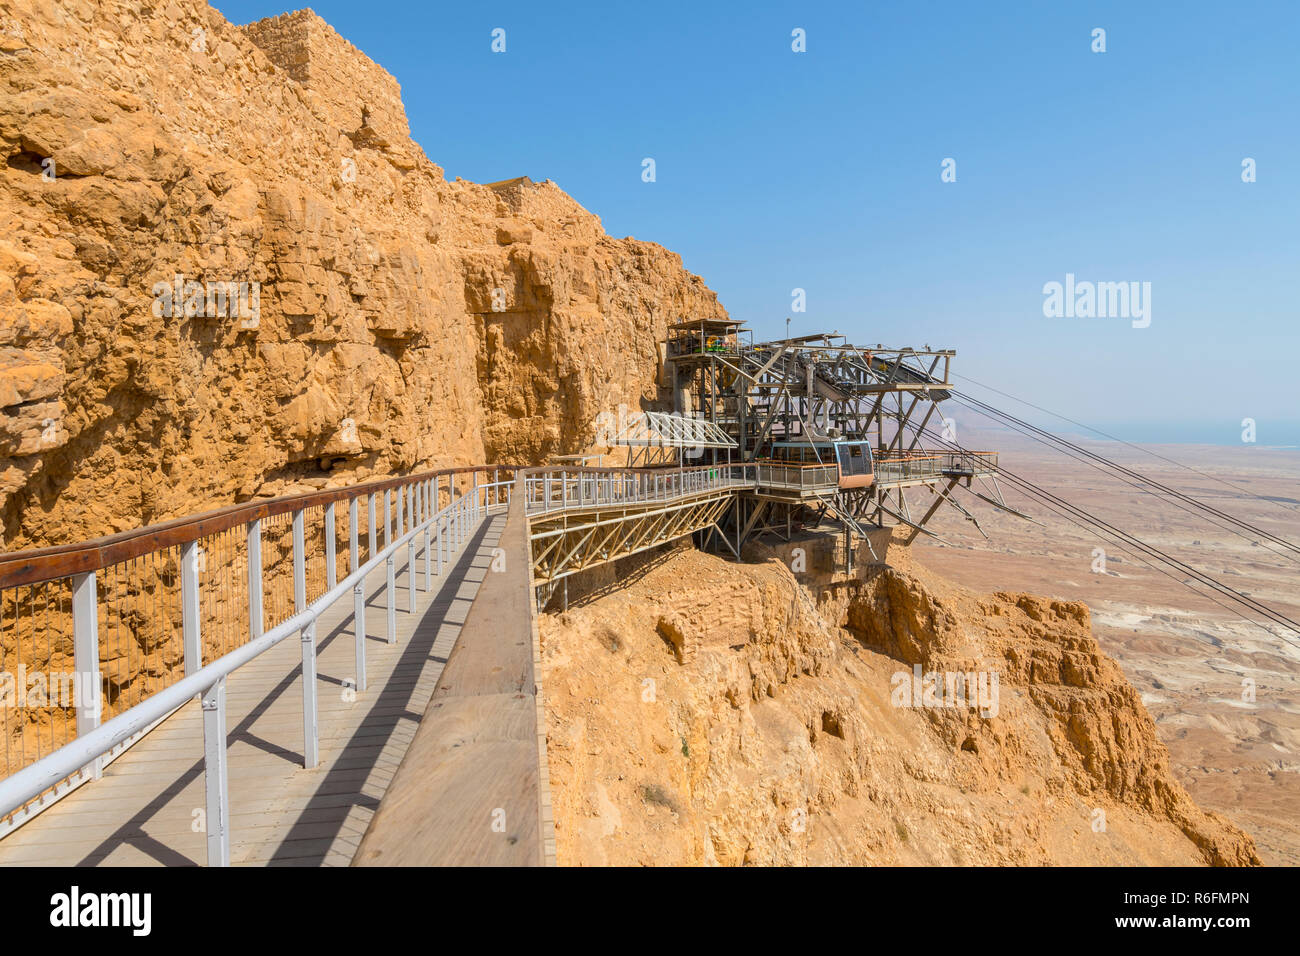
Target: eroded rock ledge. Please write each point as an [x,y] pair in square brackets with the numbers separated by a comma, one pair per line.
[777,739]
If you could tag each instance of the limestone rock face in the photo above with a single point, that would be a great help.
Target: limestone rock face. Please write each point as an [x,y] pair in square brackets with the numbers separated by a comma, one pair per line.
[791,733]
[226,271]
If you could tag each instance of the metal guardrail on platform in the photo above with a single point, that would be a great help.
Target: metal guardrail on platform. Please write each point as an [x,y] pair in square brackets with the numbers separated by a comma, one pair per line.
[969,462]
[136,616]
[560,489]
[804,479]
[555,489]
[934,464]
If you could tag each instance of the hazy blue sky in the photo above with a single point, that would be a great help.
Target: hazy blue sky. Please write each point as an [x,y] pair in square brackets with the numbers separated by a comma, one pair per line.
[821,170]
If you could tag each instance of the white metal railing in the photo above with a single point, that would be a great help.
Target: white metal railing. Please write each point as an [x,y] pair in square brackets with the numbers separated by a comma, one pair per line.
[559,489]
[410,521]
[797,477]
[970,462]
[562,489]
[934,464]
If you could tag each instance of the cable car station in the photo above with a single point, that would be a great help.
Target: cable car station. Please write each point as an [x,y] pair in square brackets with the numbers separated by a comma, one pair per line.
[833,430]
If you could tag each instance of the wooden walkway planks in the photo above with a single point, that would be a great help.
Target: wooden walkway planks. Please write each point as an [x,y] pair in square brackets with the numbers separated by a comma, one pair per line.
[147,808]
[468,792]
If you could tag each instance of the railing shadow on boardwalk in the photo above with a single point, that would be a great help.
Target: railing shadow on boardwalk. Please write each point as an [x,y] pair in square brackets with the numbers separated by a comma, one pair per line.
[394,694]
[470,569]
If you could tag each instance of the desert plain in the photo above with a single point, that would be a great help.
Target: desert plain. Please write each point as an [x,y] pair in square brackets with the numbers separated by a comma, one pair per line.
[1191,659]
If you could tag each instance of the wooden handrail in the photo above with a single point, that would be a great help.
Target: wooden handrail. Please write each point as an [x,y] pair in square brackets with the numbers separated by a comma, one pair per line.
[47,564]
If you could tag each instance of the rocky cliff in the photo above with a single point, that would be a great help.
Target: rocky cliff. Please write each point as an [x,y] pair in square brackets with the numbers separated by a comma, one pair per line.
[226,271]
[719,713]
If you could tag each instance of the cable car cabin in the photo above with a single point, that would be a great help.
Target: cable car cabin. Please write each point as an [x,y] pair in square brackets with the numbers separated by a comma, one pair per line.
[851,460]
[857,470]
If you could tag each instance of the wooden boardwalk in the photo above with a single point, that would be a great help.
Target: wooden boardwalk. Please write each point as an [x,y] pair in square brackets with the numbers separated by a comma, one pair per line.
[147,809]
[469,792]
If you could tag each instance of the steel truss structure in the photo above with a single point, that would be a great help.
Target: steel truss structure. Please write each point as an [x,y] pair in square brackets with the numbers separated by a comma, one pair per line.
[820,388]
[573,539]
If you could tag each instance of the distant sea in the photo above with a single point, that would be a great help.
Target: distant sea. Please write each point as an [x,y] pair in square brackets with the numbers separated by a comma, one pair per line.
[1269,432]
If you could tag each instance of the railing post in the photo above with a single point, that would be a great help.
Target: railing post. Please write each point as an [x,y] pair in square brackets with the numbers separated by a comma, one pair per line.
[87,684]
[190,607]
[256,621]
[299,564]
[354,545]
[392,607]
[310,732]
[308,640]
[370,512]
[410,575]
[331,530]
[404,526]
[358,595]
[440,525]
[215,784]
[389,578]
[388,517]
[401,500]
[428,540]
